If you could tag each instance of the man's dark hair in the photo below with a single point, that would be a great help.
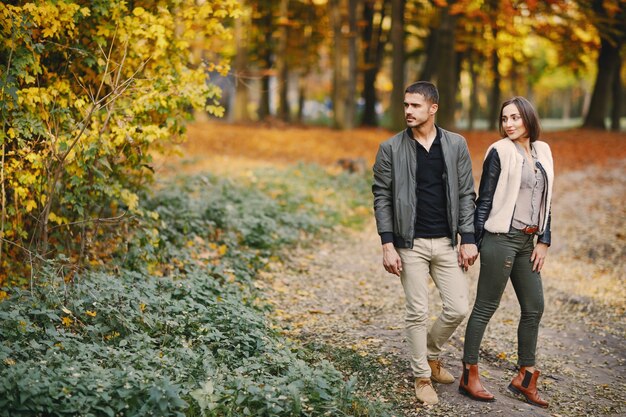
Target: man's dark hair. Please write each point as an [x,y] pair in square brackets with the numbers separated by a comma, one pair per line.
[425,88]
[529,117]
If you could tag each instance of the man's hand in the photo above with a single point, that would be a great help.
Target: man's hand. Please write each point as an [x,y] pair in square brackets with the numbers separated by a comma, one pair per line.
[538,256]
[468,253]
[391,259]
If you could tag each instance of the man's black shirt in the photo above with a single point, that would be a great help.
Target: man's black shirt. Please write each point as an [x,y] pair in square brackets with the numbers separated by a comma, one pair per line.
[431,220]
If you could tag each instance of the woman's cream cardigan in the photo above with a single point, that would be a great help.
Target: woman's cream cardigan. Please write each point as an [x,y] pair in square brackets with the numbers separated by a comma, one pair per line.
[509,183]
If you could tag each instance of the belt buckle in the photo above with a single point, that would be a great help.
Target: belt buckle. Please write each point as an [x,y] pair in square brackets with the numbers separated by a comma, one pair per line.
[530,230]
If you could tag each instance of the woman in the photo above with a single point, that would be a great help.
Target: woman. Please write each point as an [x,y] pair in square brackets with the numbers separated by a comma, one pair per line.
[513,207]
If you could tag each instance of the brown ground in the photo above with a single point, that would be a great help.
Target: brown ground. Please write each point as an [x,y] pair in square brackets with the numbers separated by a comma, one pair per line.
[335,295]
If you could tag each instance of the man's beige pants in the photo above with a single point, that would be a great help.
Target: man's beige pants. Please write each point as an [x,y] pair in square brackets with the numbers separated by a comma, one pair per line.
[438,258]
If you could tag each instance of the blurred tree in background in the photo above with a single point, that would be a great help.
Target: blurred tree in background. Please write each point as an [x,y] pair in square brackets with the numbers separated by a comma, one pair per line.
[609,19]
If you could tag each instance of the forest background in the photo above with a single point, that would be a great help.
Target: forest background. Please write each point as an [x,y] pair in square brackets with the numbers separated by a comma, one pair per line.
[128,289]
[345,63]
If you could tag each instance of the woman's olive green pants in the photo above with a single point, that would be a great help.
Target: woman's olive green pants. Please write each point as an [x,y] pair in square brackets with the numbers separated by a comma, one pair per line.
[504,255]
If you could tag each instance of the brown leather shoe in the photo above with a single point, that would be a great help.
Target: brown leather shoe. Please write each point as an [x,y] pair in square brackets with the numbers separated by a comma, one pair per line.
[425,392]
[470,385]
[438,373]
[525,383]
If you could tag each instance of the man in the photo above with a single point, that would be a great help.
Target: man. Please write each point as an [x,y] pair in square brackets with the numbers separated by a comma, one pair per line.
[423,198]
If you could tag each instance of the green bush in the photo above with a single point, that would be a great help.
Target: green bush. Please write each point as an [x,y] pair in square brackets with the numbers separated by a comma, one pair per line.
[194,342]
[137,345]
[254,218]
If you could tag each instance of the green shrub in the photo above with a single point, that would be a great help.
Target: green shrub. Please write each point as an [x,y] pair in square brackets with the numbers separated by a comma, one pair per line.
[138,345]
[194,342]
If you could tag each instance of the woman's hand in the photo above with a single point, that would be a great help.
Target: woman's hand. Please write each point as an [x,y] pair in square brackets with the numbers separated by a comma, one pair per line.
[538,256]
[467,255]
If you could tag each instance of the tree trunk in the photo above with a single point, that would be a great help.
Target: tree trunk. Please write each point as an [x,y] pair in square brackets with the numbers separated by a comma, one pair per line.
[301,97]
[266,52]
[369,117]
[494,105]
[432,55]
[607,63]
[616,111]
[369,71]
[447,80]
[567,104]
[473,110]
[281,62]
[264,105]
[350,99]
[338,79]
[373,42]
[240,107]
[396,107]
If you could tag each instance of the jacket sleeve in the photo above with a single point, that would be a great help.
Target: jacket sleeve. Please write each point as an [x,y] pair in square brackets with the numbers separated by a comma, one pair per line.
[546,237]
[467,195]
[486,191]
[382,190]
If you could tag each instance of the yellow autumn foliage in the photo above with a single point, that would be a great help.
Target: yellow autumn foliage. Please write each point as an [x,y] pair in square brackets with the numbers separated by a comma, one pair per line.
[89,93]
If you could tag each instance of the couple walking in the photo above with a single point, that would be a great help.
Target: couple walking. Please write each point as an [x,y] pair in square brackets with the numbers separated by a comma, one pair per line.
[424,200]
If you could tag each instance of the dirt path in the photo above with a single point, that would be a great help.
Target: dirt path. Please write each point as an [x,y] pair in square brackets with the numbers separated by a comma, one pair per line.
[336,297]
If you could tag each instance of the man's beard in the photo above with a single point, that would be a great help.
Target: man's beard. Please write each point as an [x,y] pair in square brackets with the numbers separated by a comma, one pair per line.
[414,123]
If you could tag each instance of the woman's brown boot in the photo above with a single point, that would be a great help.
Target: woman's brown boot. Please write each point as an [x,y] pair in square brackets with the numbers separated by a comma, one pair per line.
[470,385]
[525,383]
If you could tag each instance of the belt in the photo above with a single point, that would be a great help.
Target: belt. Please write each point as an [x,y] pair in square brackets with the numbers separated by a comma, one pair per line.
[530,230]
